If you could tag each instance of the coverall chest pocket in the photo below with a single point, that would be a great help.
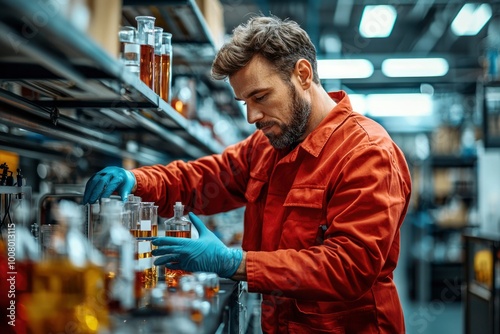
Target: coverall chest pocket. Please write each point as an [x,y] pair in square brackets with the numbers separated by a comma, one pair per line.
[254,189]
[305,218]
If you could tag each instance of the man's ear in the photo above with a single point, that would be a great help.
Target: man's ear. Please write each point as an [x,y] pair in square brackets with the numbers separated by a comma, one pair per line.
[304,73]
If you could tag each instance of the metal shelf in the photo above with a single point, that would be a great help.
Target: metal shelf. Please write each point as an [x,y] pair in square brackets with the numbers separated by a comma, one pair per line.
[80,94]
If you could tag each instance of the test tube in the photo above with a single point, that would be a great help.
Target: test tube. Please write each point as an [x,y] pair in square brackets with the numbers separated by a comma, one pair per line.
[157,60]
[166,66]
[145,35]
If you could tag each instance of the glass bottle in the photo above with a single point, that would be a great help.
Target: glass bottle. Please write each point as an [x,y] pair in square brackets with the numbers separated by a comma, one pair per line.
[145,36]
[68,284]
[166,67]
[157,59]
[177,226]
[117,246]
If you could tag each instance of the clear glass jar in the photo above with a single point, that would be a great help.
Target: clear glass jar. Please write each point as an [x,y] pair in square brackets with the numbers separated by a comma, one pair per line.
[130,50]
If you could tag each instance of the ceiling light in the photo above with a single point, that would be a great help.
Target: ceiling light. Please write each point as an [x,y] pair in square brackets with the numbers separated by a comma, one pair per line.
[377,21]
[415,67]
[471,19]
[344,68]
[406,105]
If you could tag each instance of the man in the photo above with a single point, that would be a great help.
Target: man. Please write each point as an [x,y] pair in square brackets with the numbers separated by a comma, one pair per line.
[325,189]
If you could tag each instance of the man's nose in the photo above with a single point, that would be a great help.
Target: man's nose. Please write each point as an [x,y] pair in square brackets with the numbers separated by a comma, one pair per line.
[253,114]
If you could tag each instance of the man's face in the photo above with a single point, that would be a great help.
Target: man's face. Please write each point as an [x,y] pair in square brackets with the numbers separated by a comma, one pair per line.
[275,106]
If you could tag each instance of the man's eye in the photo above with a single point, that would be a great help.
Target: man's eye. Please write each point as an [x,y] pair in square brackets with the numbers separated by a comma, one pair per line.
[260,98]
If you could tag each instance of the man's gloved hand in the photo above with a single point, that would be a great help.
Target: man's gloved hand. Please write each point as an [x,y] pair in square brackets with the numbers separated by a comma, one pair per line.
[107,181]
[208,253]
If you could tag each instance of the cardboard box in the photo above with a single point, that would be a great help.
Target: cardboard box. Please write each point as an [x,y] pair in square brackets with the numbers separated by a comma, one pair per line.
[105,20]
[213,12]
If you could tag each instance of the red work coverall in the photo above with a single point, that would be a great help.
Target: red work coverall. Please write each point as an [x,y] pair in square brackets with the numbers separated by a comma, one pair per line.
[322,221]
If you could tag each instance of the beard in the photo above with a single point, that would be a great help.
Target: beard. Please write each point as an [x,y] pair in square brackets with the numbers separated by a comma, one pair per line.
[292,131]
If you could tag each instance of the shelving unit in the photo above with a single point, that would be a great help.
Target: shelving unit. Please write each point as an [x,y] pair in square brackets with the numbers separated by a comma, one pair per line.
[63,90]
[449,197]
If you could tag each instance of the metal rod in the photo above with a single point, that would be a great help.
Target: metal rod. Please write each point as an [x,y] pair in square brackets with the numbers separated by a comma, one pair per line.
[18,102]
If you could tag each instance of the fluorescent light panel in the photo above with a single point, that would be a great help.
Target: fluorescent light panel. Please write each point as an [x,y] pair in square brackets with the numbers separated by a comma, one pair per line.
[415,67]
[344,68]
[377,21]
[401,105]
[471,19]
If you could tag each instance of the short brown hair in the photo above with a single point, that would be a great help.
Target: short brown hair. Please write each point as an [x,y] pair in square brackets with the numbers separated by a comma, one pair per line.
[281,42]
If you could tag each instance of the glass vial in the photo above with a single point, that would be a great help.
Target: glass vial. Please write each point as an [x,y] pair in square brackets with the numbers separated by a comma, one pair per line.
[180,227]
[157,60]
[166,67]
[145,35]
[129,49]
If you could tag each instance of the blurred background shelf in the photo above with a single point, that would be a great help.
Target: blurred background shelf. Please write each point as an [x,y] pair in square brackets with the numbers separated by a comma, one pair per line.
[59,86]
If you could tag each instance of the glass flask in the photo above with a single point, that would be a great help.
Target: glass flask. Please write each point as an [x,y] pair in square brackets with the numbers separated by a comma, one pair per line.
[166,66]
[177,226]
[68,284]
[145,37]
[117,246]
[157,60]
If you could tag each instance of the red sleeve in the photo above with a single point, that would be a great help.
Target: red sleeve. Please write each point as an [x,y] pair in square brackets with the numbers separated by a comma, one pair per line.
[209,185]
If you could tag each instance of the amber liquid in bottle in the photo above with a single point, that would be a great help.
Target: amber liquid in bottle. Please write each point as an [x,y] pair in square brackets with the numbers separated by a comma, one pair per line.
[165,77]
[178,234]
[147,65]
[172,277]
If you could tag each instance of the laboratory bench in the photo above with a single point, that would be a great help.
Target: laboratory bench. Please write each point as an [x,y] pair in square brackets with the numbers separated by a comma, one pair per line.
[231,311]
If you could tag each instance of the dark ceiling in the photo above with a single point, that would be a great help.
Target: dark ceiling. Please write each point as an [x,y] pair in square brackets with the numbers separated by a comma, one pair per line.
[422,29]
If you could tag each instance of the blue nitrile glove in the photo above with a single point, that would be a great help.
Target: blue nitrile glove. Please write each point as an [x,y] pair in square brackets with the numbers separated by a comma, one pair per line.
[208,253]
[107,181]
